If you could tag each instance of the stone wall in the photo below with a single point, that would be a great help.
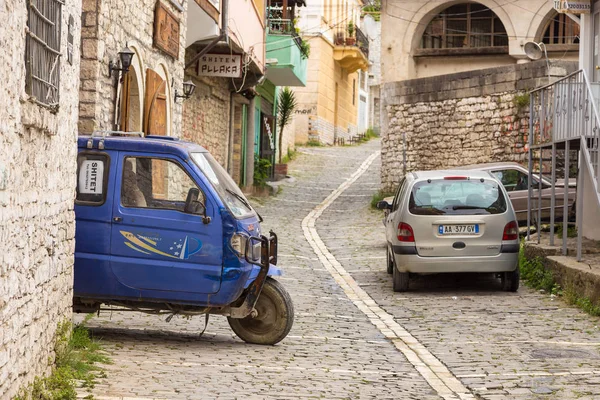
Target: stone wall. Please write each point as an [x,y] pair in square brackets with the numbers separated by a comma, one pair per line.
[465,118]
[206,116]
[37,186]
[107,27]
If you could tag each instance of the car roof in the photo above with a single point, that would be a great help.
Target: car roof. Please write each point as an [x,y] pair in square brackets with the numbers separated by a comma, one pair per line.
[150,144]
[490,165]
[440,174]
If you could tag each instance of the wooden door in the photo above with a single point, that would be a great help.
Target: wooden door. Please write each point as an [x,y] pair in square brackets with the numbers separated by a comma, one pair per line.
[155,123]
[155,105]
[124,110]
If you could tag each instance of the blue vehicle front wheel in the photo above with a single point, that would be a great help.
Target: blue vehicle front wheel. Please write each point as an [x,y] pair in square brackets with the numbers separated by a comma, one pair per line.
[274,316]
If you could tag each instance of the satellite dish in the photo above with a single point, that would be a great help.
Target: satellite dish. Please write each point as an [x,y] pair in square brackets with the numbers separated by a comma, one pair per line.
[533,50]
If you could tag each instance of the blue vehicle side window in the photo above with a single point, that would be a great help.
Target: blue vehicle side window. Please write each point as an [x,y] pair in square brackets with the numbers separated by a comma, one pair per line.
[92,178]
[155,183]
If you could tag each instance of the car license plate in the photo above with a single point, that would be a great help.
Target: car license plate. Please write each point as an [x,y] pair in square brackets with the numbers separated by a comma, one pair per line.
[458,229]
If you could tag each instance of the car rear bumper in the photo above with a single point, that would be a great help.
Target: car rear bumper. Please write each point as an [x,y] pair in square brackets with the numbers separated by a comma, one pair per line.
[503,262]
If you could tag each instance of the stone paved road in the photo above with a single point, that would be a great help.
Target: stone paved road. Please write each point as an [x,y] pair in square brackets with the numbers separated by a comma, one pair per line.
[498,345]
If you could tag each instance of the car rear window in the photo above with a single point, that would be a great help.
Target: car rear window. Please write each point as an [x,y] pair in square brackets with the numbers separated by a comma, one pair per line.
[457,197]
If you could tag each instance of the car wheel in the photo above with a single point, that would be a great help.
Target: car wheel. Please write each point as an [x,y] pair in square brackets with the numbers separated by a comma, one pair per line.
[510,280]
[274,319]
[390,261]
[400,280]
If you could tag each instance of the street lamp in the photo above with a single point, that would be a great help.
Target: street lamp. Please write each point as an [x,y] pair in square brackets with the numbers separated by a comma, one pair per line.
[124,62]
[188,90]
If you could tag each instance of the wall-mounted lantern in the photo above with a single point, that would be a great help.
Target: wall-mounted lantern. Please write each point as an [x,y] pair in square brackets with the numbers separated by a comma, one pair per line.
[188,90]
[125,58]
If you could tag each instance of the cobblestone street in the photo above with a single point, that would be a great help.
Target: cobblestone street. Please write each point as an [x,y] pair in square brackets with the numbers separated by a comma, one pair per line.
[448,337]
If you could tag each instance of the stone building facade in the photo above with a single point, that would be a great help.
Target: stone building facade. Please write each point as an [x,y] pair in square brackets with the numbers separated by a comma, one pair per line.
[38,129]
[459,119]
[436,37]
[328,107]
[108,26]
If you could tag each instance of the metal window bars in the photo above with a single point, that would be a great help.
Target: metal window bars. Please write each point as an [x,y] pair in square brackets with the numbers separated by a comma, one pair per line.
[564,115]
[42,57]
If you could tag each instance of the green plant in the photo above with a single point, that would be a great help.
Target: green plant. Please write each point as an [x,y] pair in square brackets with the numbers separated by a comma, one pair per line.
[571,230]
[291,154]
[380,195]
[76,357]
[521,100]
[262,171]
[350,28]
[314,143]
[285,109]
[304,49]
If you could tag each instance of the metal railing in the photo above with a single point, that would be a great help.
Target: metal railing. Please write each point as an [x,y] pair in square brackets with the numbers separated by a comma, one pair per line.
[283,26]
[359,39]
[564,114]
[362,41]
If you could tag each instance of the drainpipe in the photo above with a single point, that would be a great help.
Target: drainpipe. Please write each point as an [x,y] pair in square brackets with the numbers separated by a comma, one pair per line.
[224,35]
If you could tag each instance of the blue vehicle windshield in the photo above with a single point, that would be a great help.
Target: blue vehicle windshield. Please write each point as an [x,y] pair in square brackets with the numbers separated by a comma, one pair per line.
[227,189]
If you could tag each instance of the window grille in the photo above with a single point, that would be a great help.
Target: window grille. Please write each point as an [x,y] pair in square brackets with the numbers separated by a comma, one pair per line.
[42,55]
[562,30]
[465,26]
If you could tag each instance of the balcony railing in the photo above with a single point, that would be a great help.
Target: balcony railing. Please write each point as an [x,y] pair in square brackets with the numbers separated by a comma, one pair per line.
[565,115]
[359,39]
[362,41]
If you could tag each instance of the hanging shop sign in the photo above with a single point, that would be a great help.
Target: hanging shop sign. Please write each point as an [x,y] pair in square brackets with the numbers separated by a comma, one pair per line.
[268,128]
[166,31]
[573,6]
[223,65]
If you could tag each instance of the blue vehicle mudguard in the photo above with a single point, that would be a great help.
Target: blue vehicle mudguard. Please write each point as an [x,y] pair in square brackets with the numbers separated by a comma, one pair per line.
[274,270]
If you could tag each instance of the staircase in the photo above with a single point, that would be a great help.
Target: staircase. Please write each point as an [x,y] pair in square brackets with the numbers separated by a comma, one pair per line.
[564,116]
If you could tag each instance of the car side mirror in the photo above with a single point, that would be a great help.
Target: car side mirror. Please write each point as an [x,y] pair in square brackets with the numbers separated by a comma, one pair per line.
[384,205]
[195,206]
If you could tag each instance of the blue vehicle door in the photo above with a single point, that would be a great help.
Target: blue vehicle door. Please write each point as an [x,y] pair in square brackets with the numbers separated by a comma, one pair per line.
[155,244]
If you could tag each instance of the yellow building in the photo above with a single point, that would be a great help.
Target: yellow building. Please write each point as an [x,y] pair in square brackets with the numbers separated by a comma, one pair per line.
[328,106]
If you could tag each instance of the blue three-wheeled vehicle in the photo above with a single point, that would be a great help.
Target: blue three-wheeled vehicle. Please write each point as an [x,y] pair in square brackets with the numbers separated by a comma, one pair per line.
[162,228]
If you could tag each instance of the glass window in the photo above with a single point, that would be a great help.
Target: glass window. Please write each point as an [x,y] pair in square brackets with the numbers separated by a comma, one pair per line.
[228,191]
[155,183]
[457,197]
[92,178]
[396,202]
[512,179]
[465,25]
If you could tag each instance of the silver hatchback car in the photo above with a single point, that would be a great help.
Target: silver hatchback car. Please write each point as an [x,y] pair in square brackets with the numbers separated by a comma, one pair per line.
[451,221]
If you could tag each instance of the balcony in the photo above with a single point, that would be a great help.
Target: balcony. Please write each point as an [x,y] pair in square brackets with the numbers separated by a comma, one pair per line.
[286,65]
[351,51]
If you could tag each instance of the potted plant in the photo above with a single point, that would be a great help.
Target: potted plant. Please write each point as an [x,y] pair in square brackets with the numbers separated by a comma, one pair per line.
[285,109]
[350,40]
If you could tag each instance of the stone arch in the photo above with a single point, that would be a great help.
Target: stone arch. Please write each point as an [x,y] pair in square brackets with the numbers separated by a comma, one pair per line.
[429,11]
[541,23]
[135,93]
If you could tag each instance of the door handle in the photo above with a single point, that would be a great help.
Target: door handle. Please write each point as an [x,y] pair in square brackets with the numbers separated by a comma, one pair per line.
[117,219]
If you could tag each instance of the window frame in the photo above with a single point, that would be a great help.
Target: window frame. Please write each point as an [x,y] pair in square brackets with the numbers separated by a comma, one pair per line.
[167,159]
[443,18]
[104,180]
[50,47]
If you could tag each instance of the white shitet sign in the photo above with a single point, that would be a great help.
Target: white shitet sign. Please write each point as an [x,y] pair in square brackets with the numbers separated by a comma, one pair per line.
[224,65]
[573,6]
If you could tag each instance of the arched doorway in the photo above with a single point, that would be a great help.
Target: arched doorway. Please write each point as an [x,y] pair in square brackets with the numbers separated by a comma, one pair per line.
[130,120]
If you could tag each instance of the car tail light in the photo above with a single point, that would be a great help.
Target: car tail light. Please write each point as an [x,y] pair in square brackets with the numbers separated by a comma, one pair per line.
[405,233]
[456,178]
[511,231]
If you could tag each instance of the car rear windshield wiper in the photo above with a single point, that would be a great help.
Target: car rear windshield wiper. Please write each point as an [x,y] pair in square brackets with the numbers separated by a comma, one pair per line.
[467,208]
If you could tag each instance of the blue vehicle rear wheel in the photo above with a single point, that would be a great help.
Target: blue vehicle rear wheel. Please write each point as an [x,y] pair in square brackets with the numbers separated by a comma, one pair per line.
[274,319]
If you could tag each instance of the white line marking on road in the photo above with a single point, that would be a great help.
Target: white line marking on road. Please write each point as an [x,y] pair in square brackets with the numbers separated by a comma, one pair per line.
[301,257]
[434,372]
